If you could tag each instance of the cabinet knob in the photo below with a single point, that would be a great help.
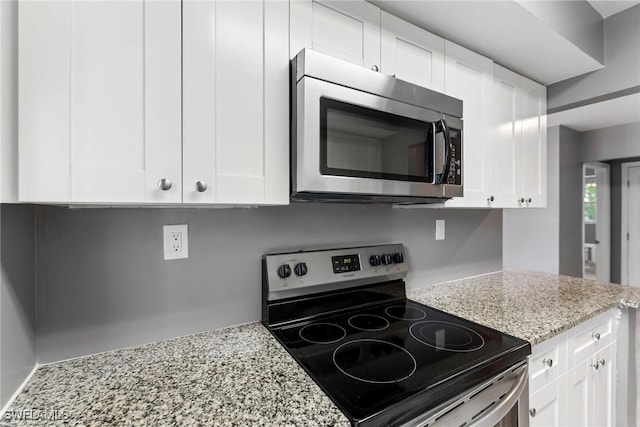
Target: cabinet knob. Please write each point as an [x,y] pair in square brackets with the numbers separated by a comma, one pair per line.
[201,186]
[392,74]
[529,200]
[596,336]
[602,362]
[164,184]
[596,365]
[490,199]
[547,362]
[532,412]
[374,67]
[521,200]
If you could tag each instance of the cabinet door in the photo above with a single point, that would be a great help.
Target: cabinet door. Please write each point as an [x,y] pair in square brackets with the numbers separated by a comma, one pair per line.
[348,30]
[235,68]
[579,394]
[533,160]
[603,406]
[547,406]
[104,101]
[411,53]
[469,77]
[505,141]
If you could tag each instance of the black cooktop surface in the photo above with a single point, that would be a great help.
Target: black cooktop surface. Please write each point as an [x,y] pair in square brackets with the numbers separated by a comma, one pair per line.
[392,354]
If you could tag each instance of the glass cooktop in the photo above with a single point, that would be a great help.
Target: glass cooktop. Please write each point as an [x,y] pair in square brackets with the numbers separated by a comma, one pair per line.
[371,359]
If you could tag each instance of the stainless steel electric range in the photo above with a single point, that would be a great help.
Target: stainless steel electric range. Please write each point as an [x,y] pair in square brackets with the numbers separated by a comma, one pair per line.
[383,359]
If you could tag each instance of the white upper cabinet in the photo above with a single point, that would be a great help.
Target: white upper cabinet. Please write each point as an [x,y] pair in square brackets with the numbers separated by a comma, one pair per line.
[236,105]
[121,101]
[411,53]
[533,161]
[349,30]
[518,143]
[469,77]
[99,101]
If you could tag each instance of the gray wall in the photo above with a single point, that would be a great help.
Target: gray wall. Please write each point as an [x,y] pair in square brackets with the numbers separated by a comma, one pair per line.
[617,142]
[17,297]
[577,21]
[622,62]
[530,237]
[102,282]
[570,210]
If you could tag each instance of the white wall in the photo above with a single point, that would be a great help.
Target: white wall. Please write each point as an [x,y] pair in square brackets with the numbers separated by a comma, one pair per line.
[531,237]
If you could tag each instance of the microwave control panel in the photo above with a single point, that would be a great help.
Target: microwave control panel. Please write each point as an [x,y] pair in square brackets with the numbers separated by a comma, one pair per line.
[455,163]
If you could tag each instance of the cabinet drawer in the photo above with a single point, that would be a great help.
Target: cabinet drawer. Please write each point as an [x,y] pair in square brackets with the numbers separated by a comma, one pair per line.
[590,337]
[548,360]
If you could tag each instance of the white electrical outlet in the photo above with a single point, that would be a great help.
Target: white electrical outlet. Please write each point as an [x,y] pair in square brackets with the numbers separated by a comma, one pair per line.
[176,241]
[439,229]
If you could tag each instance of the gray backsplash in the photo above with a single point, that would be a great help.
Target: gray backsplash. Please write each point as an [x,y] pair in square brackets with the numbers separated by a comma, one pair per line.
[103,283]
[17,297]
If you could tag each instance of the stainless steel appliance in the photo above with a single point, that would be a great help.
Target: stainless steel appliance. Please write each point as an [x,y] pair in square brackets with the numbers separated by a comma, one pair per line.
[360,135]
[385,360]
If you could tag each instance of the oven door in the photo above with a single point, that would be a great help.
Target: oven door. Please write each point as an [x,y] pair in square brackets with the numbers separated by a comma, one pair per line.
[352,142]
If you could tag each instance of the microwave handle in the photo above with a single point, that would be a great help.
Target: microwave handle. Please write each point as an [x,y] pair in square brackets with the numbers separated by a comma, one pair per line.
[441,126]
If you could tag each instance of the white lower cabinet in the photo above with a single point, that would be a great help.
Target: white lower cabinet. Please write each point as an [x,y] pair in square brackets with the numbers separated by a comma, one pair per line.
[572,379]
[547,405]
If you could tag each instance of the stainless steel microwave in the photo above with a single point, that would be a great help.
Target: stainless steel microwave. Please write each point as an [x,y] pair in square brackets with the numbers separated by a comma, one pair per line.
[358,135]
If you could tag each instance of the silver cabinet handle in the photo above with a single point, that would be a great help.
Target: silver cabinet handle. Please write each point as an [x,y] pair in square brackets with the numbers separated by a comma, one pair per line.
[490,199]
[201,186]
[596,336]
[602,362]
[374,67]
[529,200]
[165,184]
[521,200]
[547,362]
[596,365]
[532,412]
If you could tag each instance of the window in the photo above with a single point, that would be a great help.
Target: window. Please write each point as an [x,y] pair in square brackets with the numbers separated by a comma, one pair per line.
[590,199]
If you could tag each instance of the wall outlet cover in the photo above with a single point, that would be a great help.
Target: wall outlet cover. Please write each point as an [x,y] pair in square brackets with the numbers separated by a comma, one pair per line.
[176,241]
[439,229]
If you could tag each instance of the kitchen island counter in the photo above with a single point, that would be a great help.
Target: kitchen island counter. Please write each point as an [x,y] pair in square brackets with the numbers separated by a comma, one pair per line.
[528,305]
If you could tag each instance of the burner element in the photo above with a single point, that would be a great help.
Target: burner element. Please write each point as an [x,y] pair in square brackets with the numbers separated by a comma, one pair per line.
[374,361]
[368,322]
[402,312]
[447,336]
[322,333]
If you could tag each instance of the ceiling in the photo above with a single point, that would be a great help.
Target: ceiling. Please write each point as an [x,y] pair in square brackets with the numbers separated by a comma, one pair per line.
[611,7]
[613,112]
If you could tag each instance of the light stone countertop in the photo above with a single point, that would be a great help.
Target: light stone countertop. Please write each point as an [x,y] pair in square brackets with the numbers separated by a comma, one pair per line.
[238,376]
[528,305]
[242,376]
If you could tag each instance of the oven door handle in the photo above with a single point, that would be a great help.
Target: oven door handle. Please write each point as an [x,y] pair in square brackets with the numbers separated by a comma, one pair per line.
[515,396]
[441,126]
[484,405]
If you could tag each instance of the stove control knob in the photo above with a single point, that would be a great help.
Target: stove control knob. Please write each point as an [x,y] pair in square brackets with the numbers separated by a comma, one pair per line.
[300,269]
[374,260]
[284,271]
[387,259]
[398,258]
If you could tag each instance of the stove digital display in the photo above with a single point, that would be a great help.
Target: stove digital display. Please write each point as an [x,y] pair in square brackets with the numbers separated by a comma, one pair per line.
[345,263]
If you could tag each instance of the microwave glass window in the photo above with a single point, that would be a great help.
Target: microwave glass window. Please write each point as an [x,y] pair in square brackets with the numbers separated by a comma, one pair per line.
[362,142]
